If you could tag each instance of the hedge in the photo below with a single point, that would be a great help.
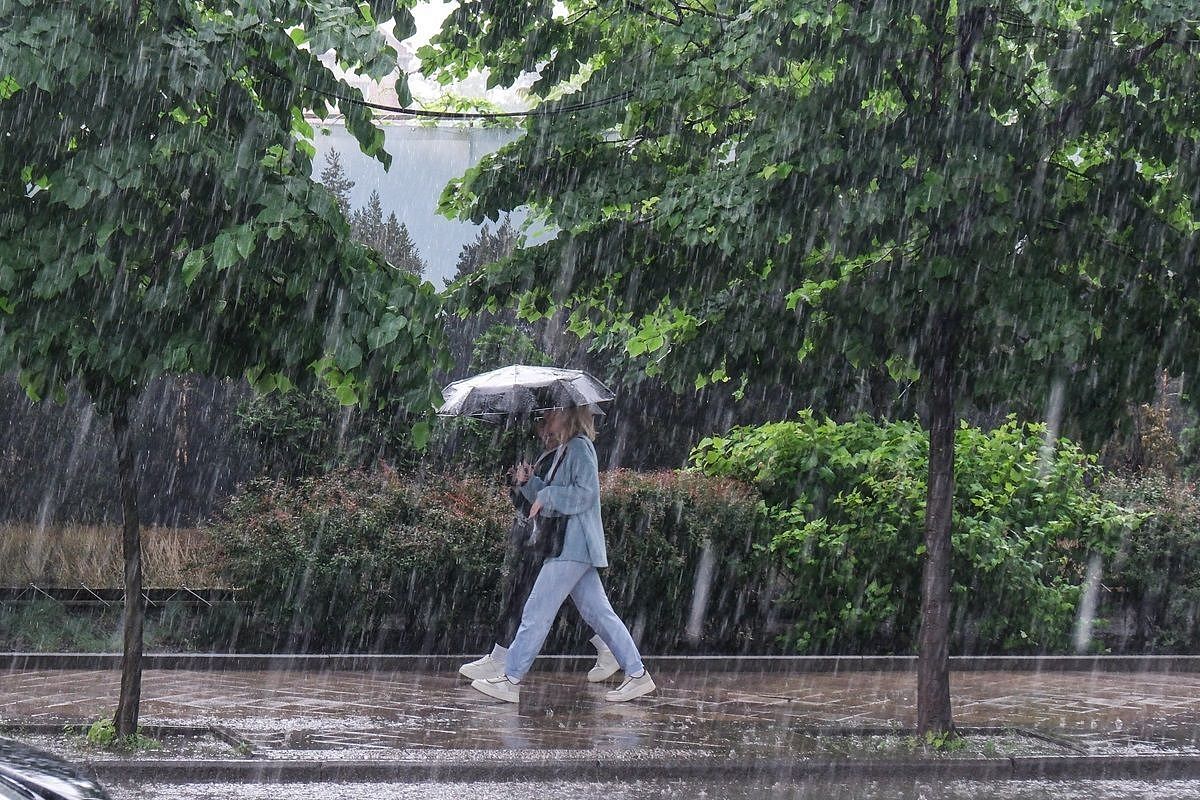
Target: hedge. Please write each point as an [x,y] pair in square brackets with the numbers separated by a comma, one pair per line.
[378,562]
[799,537]
[1150,594]
[847,502]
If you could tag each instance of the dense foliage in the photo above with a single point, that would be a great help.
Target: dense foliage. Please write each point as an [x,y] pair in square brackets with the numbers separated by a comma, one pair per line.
[824,562]
[975,201]
[1152,596]
[848,503]
[830,189]
[658,527]
[173,225]
[355,560]
[168,223]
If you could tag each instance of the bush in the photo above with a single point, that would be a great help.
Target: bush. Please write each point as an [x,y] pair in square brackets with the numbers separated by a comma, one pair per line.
[659,527]
[848,501]
[297,433]
[1154,580]
[356,561]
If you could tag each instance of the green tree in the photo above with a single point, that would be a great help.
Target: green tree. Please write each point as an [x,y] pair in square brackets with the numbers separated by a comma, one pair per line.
[398,247]
[367,222]
[482,339]
[486,248]
[168,224]
[335,180]
[389,238]
[981,201]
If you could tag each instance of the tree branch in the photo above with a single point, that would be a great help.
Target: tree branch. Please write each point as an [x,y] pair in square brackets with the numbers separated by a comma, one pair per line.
[1071,170]
[902,85]
[1083,105]
[706,12]
[939,9]
[655,15]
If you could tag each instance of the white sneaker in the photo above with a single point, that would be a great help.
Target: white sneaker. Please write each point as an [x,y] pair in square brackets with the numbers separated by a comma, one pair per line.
[631,688]
[482,668]
[606,666]
[500,688]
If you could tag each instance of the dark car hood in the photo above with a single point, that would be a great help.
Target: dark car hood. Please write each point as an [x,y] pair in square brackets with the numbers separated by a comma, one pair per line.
[46,773]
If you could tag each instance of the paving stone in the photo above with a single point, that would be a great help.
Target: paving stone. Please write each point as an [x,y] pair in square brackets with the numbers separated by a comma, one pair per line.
[284,711]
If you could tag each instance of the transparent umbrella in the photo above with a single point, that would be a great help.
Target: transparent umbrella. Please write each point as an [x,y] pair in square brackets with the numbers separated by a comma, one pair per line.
[520,389]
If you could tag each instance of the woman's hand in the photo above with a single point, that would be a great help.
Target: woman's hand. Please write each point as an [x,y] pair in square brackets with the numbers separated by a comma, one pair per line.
[523,472]
[535,508]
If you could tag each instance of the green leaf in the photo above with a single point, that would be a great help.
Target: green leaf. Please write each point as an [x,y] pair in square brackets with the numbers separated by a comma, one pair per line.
[349,356]
[104,232]
[8,87]
[420,434]
[225,251]
[244,240]
[192,264]
[346,393]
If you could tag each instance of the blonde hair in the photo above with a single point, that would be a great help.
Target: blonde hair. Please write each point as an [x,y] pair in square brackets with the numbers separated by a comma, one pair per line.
[578,419]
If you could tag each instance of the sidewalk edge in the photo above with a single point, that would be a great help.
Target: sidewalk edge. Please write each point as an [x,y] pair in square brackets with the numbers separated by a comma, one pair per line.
[602,769]
[217,662]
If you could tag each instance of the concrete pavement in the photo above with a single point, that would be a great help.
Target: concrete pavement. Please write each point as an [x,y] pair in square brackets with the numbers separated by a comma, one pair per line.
[385,723]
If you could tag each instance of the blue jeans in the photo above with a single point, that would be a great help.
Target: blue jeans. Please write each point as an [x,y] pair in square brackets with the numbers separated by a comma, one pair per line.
[556,581]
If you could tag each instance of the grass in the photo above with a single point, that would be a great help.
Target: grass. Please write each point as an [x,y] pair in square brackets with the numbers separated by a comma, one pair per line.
[103,733]
[69,555]
[47,626]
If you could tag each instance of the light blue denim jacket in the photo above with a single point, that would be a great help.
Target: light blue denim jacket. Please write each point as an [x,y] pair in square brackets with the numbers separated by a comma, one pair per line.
[575,493]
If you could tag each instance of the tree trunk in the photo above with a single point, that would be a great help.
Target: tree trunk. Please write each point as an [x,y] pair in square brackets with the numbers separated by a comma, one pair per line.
[126,719]
[933,647]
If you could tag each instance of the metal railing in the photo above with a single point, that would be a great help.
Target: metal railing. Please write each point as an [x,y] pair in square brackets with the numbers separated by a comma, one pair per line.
[88,596]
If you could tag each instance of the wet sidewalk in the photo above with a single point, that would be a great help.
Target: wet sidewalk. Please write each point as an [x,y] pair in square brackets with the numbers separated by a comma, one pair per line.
[394,717]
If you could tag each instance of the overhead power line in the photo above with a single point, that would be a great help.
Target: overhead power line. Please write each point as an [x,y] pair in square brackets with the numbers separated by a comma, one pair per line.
[419,112]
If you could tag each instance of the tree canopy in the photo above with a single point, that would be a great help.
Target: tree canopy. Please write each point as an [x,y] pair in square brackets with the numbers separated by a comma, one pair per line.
[984,200]
[158,216]
[158,213]
[806,180]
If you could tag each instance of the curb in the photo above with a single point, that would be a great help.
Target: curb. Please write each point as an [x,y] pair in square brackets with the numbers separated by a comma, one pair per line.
[217,662]
[523,768]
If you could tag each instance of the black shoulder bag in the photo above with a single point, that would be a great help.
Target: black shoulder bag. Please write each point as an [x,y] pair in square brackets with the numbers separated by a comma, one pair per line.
[541,536]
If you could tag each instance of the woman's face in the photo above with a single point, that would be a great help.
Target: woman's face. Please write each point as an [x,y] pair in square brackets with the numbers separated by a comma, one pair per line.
[542,431]
[553,426]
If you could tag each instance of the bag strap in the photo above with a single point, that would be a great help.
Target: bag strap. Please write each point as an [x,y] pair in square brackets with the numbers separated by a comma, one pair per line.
[558,457]
[537,462]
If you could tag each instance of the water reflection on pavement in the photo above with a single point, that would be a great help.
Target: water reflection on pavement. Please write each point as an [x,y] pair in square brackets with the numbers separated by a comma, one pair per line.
[672,790]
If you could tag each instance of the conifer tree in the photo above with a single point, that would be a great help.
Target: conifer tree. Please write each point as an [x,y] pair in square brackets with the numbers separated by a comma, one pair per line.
[487,248]
[367,222]
[335,181]
[398,247]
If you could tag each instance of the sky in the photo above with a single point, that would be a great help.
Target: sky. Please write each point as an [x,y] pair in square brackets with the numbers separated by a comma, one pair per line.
[425,156]
[424,159]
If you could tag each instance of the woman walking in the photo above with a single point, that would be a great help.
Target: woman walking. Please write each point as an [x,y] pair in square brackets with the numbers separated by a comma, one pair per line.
[522,566]
[573,492]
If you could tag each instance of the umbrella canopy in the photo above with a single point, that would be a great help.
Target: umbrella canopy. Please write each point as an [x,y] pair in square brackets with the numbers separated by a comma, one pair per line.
[522,389]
